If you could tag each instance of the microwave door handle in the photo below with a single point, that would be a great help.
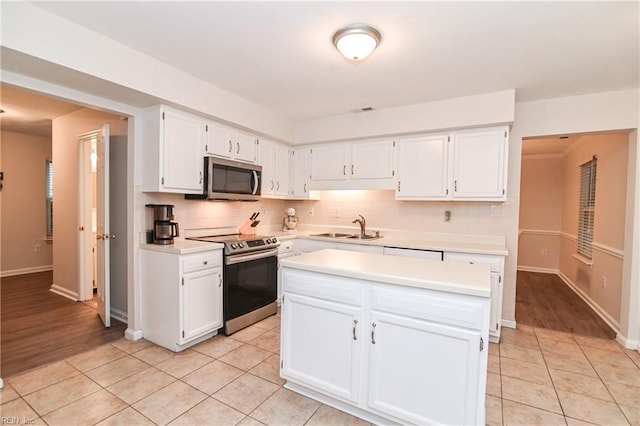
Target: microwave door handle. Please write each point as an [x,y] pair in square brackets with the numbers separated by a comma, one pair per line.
[255,182]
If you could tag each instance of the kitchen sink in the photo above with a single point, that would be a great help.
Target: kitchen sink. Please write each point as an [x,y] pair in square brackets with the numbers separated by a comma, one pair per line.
[333,235]
[364,237]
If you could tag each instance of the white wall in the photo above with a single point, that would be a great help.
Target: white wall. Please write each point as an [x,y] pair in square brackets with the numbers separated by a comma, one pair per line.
[24,205]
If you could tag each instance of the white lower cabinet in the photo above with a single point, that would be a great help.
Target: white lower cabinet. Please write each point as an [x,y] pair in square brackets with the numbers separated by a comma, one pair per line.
[386,353]
[181,297]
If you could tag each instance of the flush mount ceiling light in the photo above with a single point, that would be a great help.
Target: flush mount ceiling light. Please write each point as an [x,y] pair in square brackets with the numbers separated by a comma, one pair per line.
[356,41]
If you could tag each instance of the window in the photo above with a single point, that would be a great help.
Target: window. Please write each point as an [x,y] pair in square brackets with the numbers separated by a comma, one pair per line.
[49,197]
[587,207]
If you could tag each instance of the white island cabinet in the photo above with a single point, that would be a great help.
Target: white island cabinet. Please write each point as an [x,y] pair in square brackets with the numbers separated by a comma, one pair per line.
[391,340]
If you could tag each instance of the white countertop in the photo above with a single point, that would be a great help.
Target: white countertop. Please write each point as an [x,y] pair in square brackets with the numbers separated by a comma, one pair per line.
[182,246]
[441,242]
[474,280]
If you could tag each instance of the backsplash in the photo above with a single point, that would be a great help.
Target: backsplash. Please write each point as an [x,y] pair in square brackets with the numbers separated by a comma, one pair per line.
[380,209]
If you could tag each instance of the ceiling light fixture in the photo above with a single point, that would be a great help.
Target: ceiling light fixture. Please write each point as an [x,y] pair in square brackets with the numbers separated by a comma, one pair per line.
[356,41]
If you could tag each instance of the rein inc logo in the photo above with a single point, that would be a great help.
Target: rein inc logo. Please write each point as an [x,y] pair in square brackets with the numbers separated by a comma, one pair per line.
[17,421]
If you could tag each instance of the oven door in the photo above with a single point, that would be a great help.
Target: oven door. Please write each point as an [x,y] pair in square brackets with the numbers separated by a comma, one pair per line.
[250,282]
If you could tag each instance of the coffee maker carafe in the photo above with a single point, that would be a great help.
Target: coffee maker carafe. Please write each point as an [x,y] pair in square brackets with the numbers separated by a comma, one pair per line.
[162,230]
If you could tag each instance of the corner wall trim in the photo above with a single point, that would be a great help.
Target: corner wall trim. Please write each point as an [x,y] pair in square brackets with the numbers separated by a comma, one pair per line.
[133,335]
[64,292]
[119,315]
[508,323]
[537,269]
[628,344]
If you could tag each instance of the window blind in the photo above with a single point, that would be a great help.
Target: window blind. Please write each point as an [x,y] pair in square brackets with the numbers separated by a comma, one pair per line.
[587,207]
[49,198]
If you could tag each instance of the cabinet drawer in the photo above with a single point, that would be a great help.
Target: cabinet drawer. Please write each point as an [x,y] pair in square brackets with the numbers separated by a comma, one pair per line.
[336,289]
[196,262]
[495,262]
[458,310]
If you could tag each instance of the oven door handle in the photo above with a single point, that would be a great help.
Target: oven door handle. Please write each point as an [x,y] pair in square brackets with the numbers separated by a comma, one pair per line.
[239,258]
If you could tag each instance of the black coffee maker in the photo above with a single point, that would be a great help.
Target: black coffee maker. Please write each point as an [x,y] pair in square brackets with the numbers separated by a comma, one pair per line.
[160,228]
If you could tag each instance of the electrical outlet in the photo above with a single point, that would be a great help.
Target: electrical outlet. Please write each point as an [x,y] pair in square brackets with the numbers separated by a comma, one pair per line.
[334,212]
[36,248]
[604,282]
[311,212]
[544,252]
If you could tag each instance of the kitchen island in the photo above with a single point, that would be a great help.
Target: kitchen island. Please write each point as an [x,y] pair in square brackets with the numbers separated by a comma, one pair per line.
[390,340]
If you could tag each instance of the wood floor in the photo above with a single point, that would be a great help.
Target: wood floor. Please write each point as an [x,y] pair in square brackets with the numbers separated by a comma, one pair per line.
[544,300]
[39,326]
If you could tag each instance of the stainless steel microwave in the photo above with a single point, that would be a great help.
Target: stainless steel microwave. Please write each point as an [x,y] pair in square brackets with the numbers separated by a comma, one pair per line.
[229,180]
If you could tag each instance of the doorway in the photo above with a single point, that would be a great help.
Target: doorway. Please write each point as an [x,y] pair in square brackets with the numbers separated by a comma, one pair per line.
[556,287]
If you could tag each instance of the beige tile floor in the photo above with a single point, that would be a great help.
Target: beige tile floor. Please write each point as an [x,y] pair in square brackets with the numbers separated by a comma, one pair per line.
[535,376]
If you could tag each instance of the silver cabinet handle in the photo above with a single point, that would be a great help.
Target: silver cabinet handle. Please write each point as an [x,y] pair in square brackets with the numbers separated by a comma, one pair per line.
[272,185]
[238,148]
[278,186]
[352,169]
[344,170]
[200,177]
[355,322]
[373,333]
[219,280]
[455,185]
[305,188]
[230,146]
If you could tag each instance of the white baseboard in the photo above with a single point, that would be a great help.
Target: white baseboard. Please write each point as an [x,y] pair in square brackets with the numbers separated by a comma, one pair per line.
[23,271]
[64,292]
[134,335]
[508,323]
[596,308]
[537,269]
[119,315]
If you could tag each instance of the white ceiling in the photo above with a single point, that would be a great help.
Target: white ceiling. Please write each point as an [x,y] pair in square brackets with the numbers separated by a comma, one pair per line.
[280,54]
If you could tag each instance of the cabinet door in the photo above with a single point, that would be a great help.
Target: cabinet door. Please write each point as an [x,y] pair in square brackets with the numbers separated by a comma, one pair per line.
[266,160]
[329,162]
[218,140]
[321,345]
[245,147]
[300,172]
[422,168]
[182,141]
[479,165]
[281,168]
[362,248]
[201,303]
[372,160]
[422,372]
[496,304]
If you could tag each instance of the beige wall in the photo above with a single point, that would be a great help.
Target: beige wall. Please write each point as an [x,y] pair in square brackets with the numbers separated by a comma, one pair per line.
[541,193]
[23,204]
[66,130]
[608,241]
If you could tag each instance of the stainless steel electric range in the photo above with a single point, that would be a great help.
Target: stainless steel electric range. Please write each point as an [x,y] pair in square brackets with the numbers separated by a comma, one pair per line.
[250,277]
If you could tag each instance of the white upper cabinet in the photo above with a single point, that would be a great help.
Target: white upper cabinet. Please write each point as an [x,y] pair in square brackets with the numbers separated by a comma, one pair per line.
[329,162]
[356,165]
[479,164]
[173,151]
[274,158]
[300,170]
[422,168]
[372,160]
[226,142]
[461,166]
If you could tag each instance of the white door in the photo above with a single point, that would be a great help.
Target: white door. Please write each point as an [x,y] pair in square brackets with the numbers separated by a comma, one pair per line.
[322,345]
[423,372]
[102,219]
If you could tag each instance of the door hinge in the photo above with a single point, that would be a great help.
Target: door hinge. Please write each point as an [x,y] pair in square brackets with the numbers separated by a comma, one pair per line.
[163,115]
[481,344]
[505,133]
[496,326]
[394,143]
[447,191]
[499,279]
[162,181]
[448,138]
[206,147]
[183,281]
[503,191]
[281,364]
[206,127]
[393,173]
[183,333]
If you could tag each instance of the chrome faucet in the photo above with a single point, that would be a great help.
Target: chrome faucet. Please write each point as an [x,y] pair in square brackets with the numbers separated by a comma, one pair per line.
[362,224]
